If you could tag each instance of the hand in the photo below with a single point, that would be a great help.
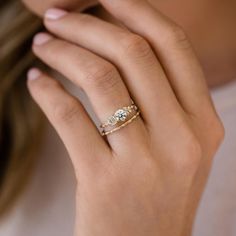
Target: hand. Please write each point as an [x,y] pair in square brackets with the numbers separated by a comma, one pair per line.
[147,178]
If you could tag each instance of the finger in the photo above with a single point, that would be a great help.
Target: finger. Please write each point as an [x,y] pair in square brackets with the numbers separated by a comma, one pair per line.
[173,49]
[71,121]
[134,57]
[97,77]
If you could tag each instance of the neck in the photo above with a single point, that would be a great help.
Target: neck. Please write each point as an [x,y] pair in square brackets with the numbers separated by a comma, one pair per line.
[211,28]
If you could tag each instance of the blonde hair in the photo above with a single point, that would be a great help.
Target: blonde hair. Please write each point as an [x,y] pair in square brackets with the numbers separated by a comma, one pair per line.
[20,119]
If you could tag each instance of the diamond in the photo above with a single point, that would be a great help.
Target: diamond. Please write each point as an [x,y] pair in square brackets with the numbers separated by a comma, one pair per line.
[121,115]
[112,120]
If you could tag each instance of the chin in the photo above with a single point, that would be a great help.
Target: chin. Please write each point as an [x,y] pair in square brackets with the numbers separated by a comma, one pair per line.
[40,6]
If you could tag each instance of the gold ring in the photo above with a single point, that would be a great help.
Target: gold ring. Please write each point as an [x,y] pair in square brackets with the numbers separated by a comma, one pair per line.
[121,126]
[120,119]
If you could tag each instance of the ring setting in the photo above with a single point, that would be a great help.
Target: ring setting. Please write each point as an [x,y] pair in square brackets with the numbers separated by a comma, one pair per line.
[122,117]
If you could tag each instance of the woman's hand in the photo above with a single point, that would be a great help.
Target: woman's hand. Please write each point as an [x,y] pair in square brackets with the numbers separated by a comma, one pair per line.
[146,178]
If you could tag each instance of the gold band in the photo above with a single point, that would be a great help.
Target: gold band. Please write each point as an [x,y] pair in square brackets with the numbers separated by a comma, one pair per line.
[120,116]
[104,133]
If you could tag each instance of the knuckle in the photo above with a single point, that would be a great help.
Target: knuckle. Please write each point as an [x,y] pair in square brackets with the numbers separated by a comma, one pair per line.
[135,46]
[178,37]
[193,147]
[103,76]
[218,134]
[192,156]
[66,111]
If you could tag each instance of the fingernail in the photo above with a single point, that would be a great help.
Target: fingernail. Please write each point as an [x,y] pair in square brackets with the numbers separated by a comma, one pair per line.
[33,74]
[41,38]
[55,13]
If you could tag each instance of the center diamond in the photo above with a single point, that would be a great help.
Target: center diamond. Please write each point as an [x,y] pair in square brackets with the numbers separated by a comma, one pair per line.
[121,115]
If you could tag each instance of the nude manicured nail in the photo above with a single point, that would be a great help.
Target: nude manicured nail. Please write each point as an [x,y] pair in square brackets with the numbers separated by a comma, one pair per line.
[33,74]
[55,13]
[41,38]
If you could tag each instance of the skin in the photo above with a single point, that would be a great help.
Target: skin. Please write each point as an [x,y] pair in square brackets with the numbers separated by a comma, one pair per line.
[39,7]
[209,24]
[147,178]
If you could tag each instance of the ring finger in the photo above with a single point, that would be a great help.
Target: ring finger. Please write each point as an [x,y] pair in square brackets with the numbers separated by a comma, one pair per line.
[135,59]
[97,77]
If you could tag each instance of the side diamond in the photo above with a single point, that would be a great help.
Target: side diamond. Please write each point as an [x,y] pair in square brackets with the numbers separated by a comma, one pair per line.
[112,120]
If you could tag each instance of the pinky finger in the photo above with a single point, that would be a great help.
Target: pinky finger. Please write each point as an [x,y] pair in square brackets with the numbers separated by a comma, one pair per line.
[85,145]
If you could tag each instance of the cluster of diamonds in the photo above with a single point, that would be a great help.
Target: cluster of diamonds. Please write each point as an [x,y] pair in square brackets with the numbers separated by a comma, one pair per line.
[120,115]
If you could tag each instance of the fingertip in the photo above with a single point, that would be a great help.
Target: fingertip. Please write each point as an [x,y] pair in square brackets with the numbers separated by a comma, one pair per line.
[55,13]
[41,38]
[33,74]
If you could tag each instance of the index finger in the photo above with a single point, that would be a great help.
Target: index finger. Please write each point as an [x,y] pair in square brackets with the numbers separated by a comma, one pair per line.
[172,48]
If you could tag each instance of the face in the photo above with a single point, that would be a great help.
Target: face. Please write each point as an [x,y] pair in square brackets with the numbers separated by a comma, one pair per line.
[39,7]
